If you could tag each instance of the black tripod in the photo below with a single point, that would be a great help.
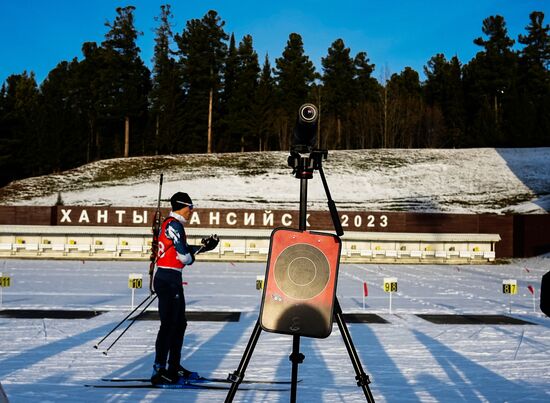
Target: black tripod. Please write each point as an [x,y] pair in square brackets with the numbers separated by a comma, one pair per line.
[303,169]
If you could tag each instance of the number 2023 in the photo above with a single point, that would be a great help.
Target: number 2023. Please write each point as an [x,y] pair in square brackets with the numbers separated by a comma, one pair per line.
[357,221]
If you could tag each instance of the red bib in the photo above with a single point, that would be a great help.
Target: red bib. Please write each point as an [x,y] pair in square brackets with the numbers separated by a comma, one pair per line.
[167,255]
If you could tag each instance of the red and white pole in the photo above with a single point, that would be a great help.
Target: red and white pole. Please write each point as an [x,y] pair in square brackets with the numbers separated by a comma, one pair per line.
[532,291]
[365,293]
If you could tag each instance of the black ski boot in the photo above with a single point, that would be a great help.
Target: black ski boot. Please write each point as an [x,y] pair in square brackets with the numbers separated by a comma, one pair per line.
[161,376]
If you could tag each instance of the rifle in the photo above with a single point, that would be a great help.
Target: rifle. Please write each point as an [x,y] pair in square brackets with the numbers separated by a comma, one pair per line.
[155,243]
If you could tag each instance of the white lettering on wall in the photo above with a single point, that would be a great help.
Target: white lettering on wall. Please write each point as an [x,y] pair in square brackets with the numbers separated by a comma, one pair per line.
[66,215]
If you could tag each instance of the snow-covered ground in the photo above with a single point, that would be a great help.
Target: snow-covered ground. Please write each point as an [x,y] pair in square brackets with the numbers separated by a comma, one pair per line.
[481,180]
[409,359]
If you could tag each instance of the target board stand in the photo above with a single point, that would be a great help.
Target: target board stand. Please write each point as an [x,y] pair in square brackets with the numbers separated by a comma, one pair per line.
[299,295]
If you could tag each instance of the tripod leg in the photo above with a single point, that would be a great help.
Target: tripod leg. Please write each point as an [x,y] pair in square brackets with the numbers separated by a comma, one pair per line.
[297,358]
[363,379]
[238,376]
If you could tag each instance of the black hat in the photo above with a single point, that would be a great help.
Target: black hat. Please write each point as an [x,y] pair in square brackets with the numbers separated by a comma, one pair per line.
[180,200]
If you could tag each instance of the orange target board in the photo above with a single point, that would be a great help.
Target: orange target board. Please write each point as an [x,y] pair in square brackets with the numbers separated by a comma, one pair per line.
[300,283]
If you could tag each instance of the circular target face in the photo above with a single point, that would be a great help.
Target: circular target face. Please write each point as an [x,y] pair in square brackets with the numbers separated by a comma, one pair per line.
[302,271]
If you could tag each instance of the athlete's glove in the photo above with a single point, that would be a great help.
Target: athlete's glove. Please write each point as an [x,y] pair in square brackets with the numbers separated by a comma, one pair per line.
[209,243]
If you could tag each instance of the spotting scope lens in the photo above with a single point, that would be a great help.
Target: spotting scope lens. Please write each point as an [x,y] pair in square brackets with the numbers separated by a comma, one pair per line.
[308,113]
[305,130]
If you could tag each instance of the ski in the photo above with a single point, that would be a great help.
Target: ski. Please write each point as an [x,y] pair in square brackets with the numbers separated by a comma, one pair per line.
[183,386]
[203,379]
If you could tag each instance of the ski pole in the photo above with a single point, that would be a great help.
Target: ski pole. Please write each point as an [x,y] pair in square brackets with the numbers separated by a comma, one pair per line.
[133,320]
[121,322]
[131,323]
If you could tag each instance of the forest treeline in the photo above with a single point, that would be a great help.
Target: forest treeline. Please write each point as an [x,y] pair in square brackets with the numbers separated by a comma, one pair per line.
[208,92]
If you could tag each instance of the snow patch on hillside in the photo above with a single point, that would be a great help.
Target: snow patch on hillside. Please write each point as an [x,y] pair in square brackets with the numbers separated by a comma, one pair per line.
[480,180]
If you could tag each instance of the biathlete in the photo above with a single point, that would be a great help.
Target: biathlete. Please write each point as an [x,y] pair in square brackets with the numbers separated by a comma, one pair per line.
[174,253]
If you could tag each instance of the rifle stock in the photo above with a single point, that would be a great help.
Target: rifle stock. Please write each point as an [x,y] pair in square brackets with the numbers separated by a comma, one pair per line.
[156,231]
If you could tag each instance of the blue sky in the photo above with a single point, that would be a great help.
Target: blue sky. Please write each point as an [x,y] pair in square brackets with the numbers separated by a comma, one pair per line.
[35,35]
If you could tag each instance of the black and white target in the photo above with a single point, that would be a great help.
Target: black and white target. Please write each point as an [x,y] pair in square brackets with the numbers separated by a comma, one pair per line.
[302,271]
[300,283]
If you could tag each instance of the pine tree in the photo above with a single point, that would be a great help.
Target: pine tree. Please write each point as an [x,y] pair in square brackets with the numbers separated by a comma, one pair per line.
[404,122]
[444,95]
[63,142]
[537,42]
[263,109]
[127,77]
[294,74]
[367,86]
[90,89]
[490,85]
[340,92]
[367,109]
[227,141]
[241,129]
[19,130]
[533,106]
[167,93]
[202,52]
[230,72]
